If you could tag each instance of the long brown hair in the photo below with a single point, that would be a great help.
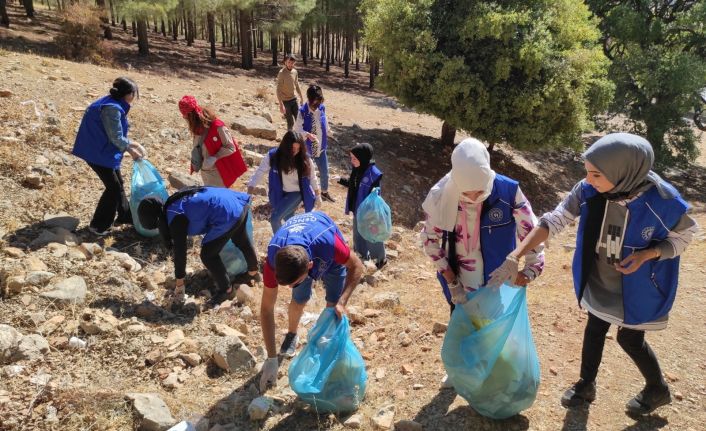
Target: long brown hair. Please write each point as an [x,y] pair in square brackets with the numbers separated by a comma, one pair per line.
[199,122]
[286,161]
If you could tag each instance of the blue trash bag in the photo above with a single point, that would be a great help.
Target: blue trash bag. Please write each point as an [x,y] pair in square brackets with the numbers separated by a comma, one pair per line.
[489,353]
[373,218]
[232,257]
[329,373]
[146,182]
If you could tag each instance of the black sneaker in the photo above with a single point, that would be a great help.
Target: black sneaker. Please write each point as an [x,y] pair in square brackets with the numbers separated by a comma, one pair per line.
[380,264]
[579,393]
[327,197]
[649,399]
[289,345]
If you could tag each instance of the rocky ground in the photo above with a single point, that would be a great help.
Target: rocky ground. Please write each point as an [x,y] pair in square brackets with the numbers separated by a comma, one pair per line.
[86,343]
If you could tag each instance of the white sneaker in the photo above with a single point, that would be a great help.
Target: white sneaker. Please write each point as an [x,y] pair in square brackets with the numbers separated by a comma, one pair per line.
[95,231]
[446,383]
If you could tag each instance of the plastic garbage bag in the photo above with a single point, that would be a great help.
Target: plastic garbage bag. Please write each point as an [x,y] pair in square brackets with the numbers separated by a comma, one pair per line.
[233,257]
[329,373]
[146,182]
[373,218]
[489,353]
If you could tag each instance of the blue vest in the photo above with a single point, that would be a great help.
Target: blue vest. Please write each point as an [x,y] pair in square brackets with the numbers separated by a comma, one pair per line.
[497,225]
[308,119]
[370,177]
[92,143]
[649,292]
[212,212]
[315,231]
[275,190]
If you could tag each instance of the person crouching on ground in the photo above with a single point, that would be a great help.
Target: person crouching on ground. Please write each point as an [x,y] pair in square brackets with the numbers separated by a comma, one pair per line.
[219,214]
[307,247]
[632,228]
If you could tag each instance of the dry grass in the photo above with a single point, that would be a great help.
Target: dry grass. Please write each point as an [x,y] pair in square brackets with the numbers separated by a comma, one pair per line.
[263,93]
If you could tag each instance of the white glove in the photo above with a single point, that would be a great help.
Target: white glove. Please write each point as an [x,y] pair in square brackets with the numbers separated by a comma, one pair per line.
[209,162]
[458,293]
[136,150]
[269,374]
[505,272]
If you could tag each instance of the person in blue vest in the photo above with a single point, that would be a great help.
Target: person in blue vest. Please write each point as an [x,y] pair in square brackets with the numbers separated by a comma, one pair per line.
[291,179]
[632,228]
[311,123]
[101,141]
[307,247]
[219,214]
[474,219]
[365,176]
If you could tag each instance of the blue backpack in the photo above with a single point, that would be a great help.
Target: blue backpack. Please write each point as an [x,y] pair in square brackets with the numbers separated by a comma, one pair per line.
[373,218]
[329,373]
[146,182]
[489,354]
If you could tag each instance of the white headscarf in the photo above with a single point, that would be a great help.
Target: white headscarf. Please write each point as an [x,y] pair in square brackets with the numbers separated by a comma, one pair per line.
[470,171]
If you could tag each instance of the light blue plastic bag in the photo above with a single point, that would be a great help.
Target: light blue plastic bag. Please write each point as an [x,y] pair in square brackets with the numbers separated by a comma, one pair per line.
[232,257]
[489,353]
[146,182]
[374,218]
[329,373]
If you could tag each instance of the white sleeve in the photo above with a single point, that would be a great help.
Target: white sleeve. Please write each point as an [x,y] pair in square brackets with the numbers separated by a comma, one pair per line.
[260,172]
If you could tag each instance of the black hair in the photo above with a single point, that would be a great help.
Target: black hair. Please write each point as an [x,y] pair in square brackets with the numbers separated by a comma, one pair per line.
[314,92]
[122,87]
[152,212]
[285,161]
[289,56]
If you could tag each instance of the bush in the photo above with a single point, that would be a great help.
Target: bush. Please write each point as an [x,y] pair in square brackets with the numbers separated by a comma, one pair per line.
[80,34]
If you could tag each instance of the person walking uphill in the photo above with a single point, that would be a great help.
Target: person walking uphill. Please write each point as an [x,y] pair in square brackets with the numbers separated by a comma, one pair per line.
[291,179]
[365,176]
[307,247]
[101,141]
[287,82]
[311,122]
[632,228]
[219,214]
[214,151]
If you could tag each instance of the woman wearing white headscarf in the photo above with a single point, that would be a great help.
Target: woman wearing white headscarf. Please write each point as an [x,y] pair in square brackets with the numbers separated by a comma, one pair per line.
[632,228]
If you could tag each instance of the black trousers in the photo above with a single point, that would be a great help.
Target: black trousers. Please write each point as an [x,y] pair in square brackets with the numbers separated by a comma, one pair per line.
[632,342]
[113,200]
[212,260]
[291,110]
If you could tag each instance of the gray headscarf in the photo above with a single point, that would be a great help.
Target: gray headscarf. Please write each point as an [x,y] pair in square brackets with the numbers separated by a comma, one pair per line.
[626,160]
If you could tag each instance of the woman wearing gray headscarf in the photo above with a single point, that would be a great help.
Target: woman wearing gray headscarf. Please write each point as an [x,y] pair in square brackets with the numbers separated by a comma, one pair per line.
[632,228]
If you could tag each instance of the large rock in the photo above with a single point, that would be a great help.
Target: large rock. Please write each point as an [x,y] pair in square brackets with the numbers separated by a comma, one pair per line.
[14,284]
[386,300]
[9,340]
[252,158]
[384,418]
[254,125]
[31,347]
[230,354]
[56,234]
[245,294]
[408,425]
[179,180]
[39,278]
[69,291]
[125,260]
[258,408]
[98,322]
[151,411]
[61,220]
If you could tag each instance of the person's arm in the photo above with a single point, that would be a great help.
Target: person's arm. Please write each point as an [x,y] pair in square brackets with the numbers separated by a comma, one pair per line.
[259,173]
[354,270]
[278,87]
[314,178]
[110,118]
[296,85]
[178,230]
[228,147]
[525,221]
[299,125]
[267,310]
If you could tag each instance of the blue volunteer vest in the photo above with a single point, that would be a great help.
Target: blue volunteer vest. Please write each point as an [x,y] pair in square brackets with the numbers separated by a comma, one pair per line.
[308,119]
[212,212]
[92,143]
[315,231]
[649,292]
[370,177]
[276,192]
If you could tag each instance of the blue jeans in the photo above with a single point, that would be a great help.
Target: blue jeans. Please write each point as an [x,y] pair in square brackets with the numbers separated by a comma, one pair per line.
[334,282]
[365,248]
[322,167]
[286,208]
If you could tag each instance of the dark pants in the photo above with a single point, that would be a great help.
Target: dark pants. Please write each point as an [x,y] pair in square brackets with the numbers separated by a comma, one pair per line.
[633,343]
[212,260]
[291,109]
[112,201]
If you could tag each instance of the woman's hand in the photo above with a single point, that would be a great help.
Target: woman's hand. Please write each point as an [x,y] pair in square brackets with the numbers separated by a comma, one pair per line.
[521,280]
[633,262]
[136,150]
[210,162]
[448,275]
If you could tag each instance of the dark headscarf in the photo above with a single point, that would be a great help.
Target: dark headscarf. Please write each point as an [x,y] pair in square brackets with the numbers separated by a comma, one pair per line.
[364,153]
[626,161]
[152,212]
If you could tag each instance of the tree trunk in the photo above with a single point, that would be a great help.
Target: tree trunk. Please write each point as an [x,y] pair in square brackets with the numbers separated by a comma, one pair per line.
[245,40]
[111,7]
[223,31]
[4,18]
[372,74]
[143,46]
[346,56]
[124,24]
[29,7]
[134,28]
[261,36]
[274,38]
[448,134]
[211,23]
[327,42]
[163,28]
[252,33]
[175,29]
[357,48]
[305,46]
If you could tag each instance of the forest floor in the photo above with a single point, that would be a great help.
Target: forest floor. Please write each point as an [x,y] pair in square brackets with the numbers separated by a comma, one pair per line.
[141,347]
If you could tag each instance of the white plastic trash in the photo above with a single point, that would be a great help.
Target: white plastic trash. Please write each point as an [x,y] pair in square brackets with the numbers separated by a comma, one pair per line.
[77,343]
[182,426]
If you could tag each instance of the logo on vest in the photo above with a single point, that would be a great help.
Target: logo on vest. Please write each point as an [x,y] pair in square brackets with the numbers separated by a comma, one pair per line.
[297,228]
[365,180]
[496,214]
[647,233]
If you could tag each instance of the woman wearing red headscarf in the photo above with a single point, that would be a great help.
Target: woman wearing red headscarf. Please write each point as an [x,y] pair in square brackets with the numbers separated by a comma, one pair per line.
[214,153]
